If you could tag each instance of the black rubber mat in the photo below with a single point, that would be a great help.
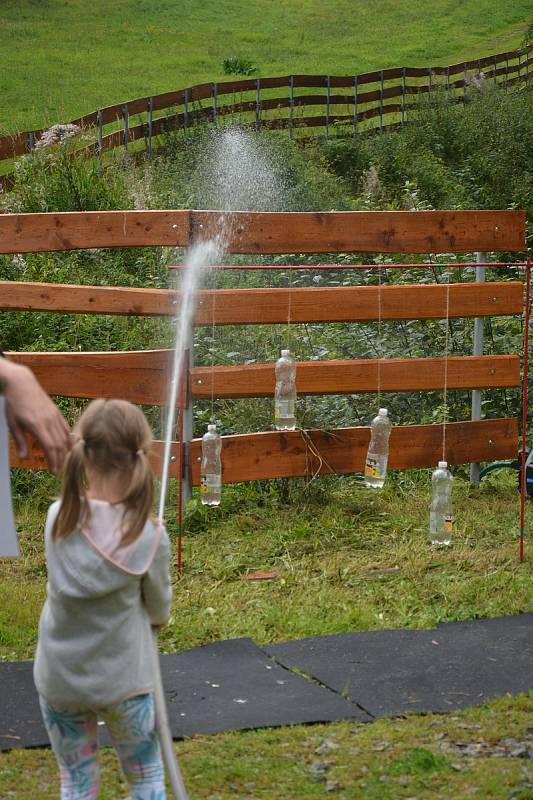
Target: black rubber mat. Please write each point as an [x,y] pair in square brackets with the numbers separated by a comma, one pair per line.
[393,672]
[226,685]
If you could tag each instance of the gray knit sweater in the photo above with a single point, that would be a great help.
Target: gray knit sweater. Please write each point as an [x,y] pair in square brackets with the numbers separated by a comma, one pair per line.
[94,647]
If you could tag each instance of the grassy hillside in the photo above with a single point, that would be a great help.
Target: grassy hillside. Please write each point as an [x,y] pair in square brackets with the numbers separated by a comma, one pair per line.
[65,57]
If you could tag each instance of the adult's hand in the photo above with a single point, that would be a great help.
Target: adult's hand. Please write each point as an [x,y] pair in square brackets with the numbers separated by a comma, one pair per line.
[30,410]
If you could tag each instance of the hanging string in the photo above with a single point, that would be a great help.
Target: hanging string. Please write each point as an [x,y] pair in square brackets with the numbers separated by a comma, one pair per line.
[446,353]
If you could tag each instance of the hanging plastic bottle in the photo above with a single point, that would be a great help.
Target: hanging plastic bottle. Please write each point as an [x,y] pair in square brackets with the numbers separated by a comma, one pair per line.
[285,394]
[211,467]
[378,450]
[441,514]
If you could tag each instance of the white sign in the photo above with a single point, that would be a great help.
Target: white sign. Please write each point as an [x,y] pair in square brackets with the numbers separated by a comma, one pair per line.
[8,535]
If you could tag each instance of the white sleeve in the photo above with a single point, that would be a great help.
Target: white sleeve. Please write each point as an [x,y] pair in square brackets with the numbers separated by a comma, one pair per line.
[156,586]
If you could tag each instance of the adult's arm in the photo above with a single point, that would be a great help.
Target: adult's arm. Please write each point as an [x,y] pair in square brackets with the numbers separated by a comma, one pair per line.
[30,410]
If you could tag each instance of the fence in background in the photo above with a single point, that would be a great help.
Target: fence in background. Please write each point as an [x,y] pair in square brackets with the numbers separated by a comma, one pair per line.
[330,103]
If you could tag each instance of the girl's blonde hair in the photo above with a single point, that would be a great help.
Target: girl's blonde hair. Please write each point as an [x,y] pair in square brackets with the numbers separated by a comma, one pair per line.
[112,436]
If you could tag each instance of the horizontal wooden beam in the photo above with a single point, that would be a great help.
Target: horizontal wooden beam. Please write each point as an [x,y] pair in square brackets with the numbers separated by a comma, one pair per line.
[260,456]
[263,306]
[366,231]
[73,230]
[143,376]
[269,232]
[359,376]
[304,453]
[36,458]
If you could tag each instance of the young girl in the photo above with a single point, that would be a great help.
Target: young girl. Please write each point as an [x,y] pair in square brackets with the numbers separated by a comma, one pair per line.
[108,583]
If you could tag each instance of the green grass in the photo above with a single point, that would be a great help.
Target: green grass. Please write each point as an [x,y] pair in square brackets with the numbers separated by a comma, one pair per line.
[63,58]
[347,560]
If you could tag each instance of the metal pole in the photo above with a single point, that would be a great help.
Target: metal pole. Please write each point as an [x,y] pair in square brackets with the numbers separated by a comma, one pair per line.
[100,123]
[381,101]
[291,103]
[187,412]
[355,105]
[328,91]
[185,110]
[481,258]
[214,95]
[403,95]
[523,487]
[150,124]
[126,129]
[257,104]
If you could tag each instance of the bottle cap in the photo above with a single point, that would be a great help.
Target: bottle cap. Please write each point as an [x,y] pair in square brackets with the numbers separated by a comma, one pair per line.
[443,465]
[383,412]
[211,427]
[285,353]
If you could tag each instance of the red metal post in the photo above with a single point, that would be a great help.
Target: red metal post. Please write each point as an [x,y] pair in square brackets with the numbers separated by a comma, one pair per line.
[523,492]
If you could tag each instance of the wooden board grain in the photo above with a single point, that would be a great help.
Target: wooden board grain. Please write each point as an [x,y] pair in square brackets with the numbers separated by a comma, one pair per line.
[360,376]
[365,231]
[259,306]
[275,454]
[143,376]
[69,230]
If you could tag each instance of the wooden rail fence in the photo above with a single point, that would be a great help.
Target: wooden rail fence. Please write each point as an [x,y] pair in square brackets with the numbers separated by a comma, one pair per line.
[142,377]
[328,102]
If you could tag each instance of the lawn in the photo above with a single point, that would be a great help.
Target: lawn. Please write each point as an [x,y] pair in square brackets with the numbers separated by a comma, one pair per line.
[66,57]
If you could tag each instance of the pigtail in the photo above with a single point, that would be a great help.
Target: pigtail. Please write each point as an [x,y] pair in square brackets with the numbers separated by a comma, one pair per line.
[73,506]
[138,497]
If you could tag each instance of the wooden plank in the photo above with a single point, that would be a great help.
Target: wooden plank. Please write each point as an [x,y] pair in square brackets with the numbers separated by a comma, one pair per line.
[365,231]
[357,303]
[360,376]
[274,454]
[69,230]
[36,458]
[139,376]
[271,306]
[143,376]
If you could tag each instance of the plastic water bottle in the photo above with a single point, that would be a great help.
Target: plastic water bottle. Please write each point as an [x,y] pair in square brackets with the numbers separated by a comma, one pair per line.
[211,467]
[441,514]
[285,394]
[378,450]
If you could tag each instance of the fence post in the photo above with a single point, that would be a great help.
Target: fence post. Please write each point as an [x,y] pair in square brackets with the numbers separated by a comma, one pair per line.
[257,104]
[381,101]
[495,76]
[100,123]
[429,83]
[214,96]
[150,125]
[291,103]
[30,142]
[355,105]
[328,89]
[403,95]
[126,114]
[447,83]
[464,81]
[506,71]
[477,351]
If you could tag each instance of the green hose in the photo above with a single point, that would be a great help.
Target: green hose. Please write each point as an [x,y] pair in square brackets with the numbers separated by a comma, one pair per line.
[496,465]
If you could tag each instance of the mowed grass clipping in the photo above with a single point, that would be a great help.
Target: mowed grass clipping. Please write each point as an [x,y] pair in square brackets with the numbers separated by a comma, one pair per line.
[63,58]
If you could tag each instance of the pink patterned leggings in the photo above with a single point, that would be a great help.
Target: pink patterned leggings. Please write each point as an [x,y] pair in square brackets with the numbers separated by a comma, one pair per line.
[131,726]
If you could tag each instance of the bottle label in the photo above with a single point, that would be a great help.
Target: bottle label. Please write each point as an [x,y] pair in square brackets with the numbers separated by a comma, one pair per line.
[375,466]
[211,482]
[448,523]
